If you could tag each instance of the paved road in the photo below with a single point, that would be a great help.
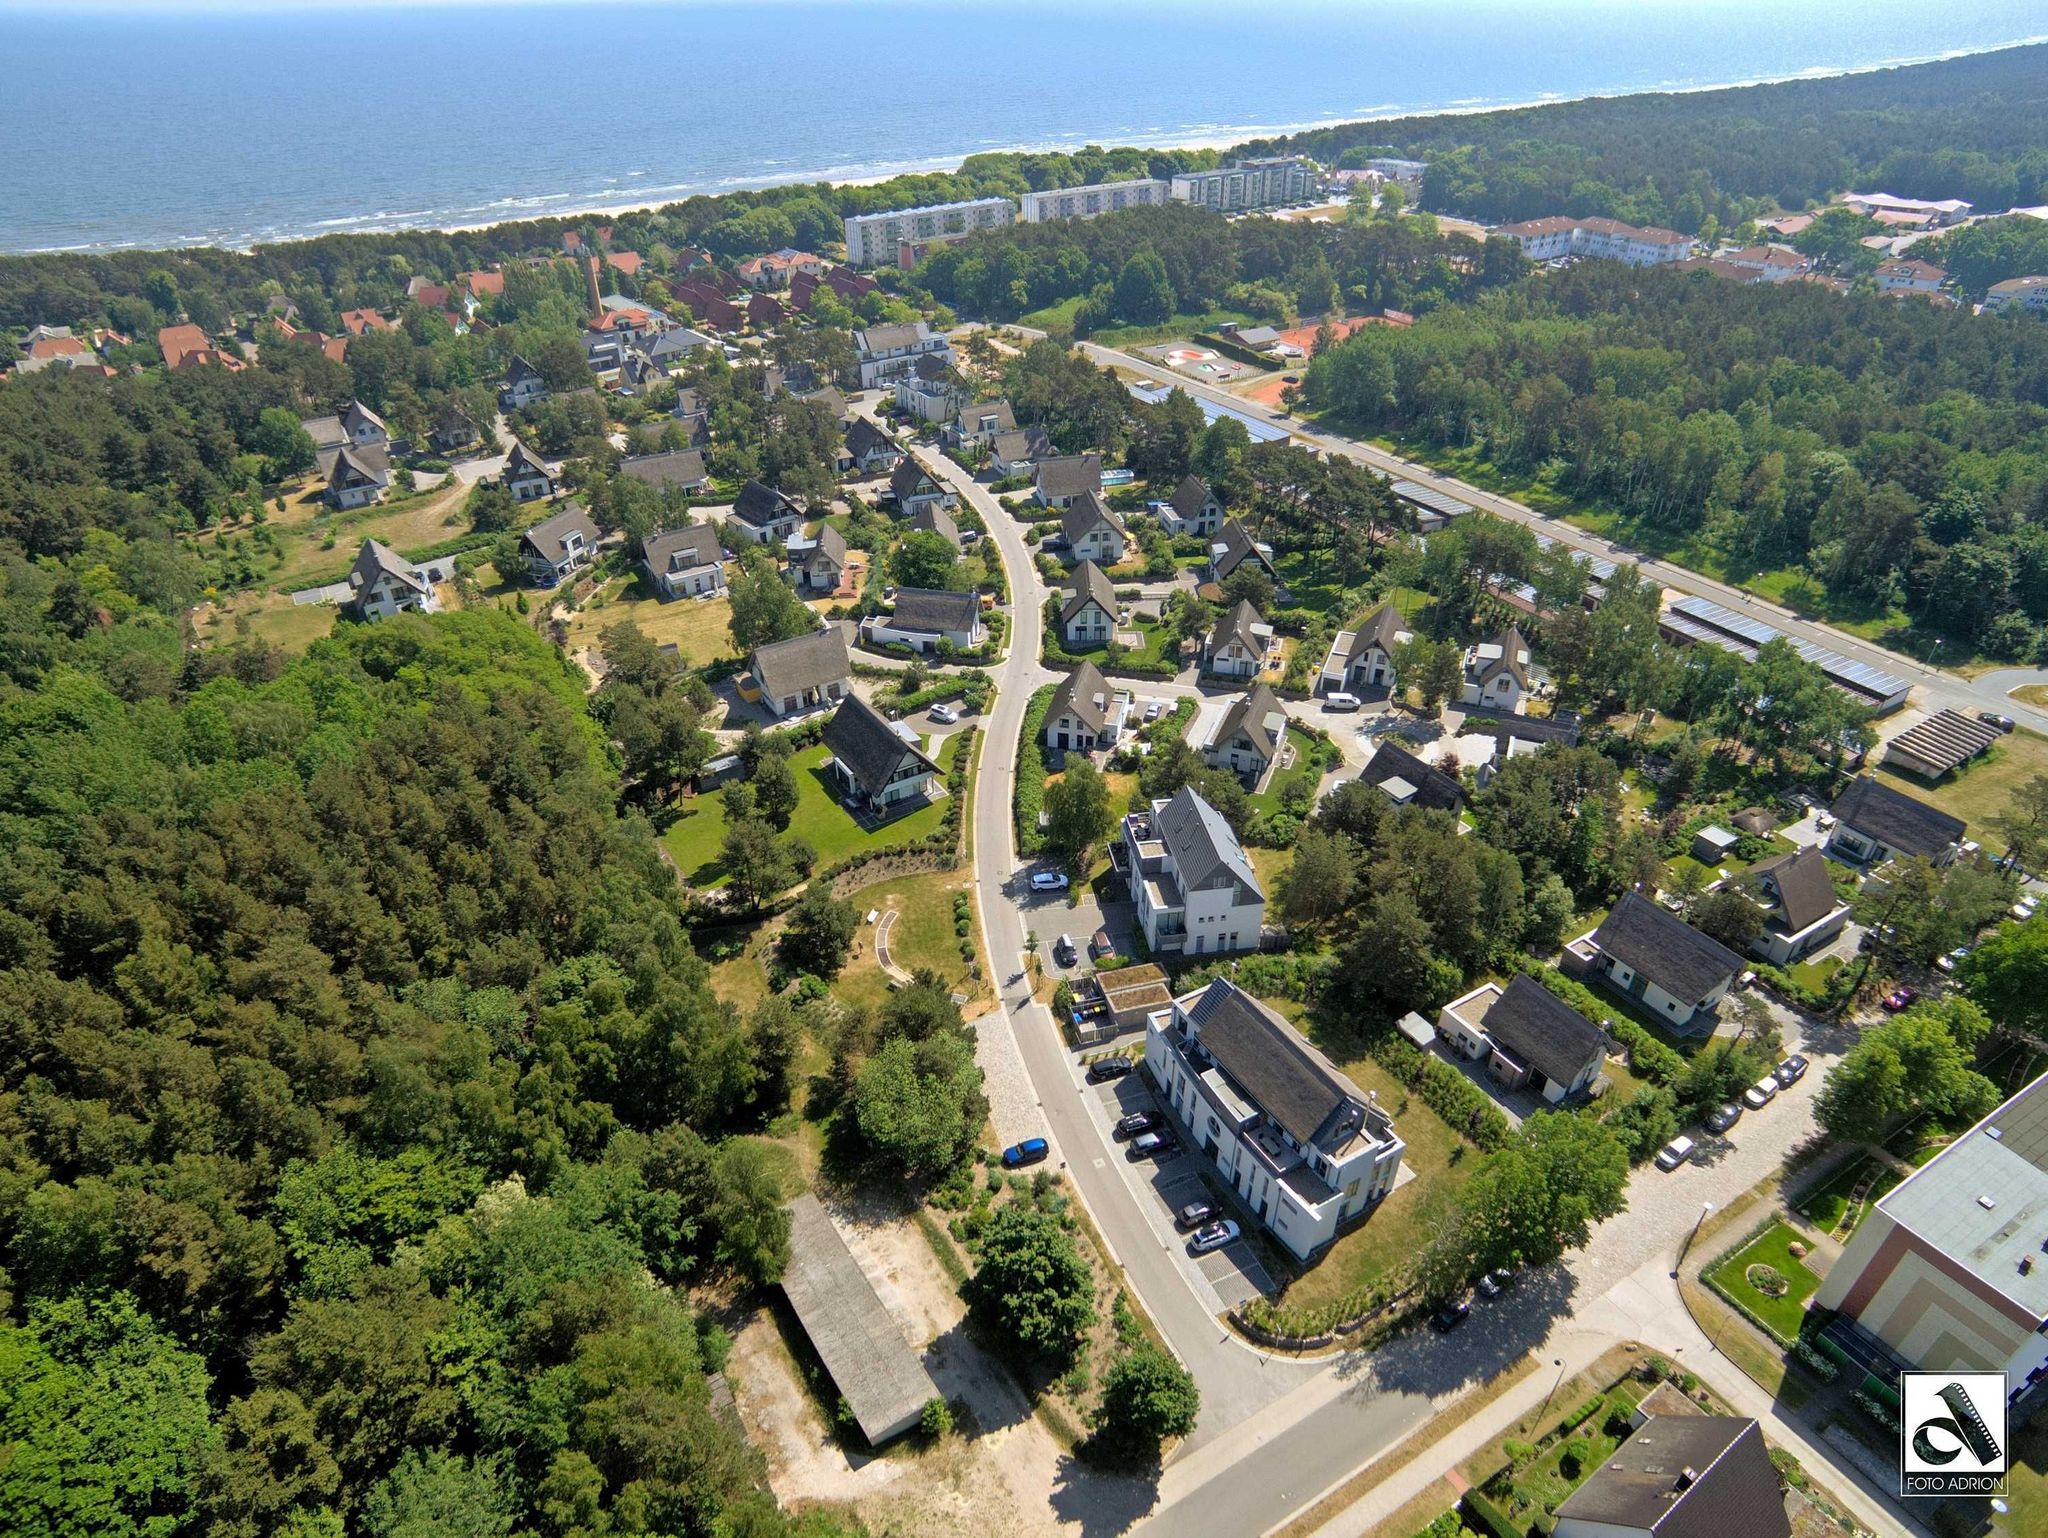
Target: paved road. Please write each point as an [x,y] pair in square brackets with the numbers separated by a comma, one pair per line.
[1939,689]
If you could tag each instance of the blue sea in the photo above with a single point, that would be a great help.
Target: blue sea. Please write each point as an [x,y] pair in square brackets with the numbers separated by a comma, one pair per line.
[159,127]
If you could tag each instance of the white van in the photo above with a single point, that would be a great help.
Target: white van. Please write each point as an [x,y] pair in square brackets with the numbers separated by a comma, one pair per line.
[1761,1093]
[1341,702]
[1675,1153]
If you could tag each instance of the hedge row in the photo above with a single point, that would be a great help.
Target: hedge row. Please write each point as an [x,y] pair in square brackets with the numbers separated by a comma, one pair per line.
[1031,771]
[1467,1109]
[1648,1057]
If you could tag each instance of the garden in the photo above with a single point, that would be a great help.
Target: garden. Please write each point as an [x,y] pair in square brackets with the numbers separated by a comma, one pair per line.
[1840,1204]
[1766,1280]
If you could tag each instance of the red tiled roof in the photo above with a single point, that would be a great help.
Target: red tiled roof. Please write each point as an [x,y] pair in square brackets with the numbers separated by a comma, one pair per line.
[628,262]
[481,283]
[180,342]
[356,322]
[57,347]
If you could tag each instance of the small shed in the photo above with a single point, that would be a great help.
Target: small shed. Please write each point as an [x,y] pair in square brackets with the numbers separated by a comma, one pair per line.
[1417,1030]
[1129,994]
[1713,844]
[1754,820]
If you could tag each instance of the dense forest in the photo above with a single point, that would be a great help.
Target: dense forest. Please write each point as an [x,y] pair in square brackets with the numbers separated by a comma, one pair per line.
[1973,128]
[1891,453]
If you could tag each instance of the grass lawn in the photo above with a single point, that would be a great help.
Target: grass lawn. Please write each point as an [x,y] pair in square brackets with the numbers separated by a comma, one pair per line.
[922,936]
[1267,802]
[271,617]
[699,627]
[1269,865]
[1982,789]
[1311,581]
[1442,1162]
[2027,1479]
[1782,1315]
[1830,1208]
[1543,1483]
[1815,974]
[405,524]
[695,839]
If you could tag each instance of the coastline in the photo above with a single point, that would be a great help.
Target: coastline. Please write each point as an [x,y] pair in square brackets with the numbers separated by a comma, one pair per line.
[513,208]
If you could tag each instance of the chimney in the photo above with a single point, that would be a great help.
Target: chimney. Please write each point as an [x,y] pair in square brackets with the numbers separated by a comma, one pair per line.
[1687,1477]
[590,278]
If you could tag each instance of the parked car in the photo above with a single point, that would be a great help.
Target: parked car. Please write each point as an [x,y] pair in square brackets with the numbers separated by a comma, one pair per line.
[945,713]
[1494,1283]
[1901,998]
[1100,945]
[1136,1122]
[1450,1316]
[1993,718]
[1033,1150]
[1761,1093]
[1048,881]
[1104,1069]
[1724,1118]
[1953,959]
[1341,701]
[1791,1071]
[1149,1145]
[2024,908]
[1155,710]
[1195,1214]
[1212,1237]
[1063,950]
[1290,379]
[1675,1153]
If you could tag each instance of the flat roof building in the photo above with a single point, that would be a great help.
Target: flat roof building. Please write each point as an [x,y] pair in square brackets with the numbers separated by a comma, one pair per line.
[874,239]
[1248,185]
[1088,202]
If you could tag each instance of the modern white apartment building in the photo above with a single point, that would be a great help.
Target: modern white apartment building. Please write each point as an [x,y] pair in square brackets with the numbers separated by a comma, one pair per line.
[2028,295]
[1190,881]
[1248,185]
[1102,198]
[1545,240]
[873,240]
[1299,1143]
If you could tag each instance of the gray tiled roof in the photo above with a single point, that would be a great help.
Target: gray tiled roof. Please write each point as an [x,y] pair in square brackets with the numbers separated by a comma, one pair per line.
[1643,1485]
[1090,583]
[1085,694]
[547,537]
[1088,512]
[1433,788]
[807,662]
[919,608]
[1665,949]
[1806,893]
[677,467]
[831,545]
[1071,476]
[932,519]
[891,337]
[1201,844]
[1895,819]
[867,746]
[682,549]
[762,505]
[1285,1077]
[1539,1029]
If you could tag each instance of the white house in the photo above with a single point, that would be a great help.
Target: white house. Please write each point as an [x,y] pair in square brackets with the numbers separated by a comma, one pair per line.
[523,385]
[527,475]
[927,391]
[1192,509]
[879,764]
[1086,713]
[1059,482]
[1237,647]
[1678,974]
[924,618]
[1802,910]
[1232,547]
[913,488]
[1525,1035]
[555,547]
[1874,823]
[1093,531]
[686,562]
[1497,673]
[1363,659]
[764,515]
[1546,240]
[803,673]
[817,564]
[981,422]
[356,477]
[1088,618]
[1018,453]
[1908,275]
[1193,887]
[358,426]
[886,353]
[1248,736]
[383,583]
[1305,1149]
[2027,296]
[871,450]
[674,469]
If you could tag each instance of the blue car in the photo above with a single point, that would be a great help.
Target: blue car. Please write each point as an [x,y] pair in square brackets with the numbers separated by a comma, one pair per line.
[1033,1150]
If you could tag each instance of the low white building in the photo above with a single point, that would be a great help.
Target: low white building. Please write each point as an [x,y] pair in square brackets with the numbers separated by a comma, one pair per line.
[527,475]
[1363,659]
[1497,673]
[1548,239]
[1093,531]
[924,618]
[1192,509]
[889,352]
[1908,275]
[1247,737]
[879,764]
[1237,647]
[1802,910]
[1086,713]
[2027,296]
[1192,885]
[1679,974]
[1302,1146]
[383,583]
[1524,1035]
[1088,618]
[685,563]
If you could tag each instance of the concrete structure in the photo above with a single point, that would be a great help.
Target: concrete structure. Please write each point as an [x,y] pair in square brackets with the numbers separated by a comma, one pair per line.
[1363,659]
[873,1366]
[1089,617]
[560,545]
[1525,1035]
[925,618]
[685,563]
[1948,1270]
[1674,971]
[1802,911]
[1681,1476]
[1301,1145]
[1130,996]
[1248,185]
[1548,240]
[1874,823]
[1237,647]
[1086,713]
[2024,296]
[803,673]
[1191,882]
[878,764]
[1946,740]
[383,583]
[875,239]
[1497,673]
[1087,202]
[886,353]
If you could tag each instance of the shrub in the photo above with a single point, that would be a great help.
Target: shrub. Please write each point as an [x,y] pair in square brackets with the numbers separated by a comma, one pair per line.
[1767,1280]
[1823,1368]
[936,1419]
[1031,772]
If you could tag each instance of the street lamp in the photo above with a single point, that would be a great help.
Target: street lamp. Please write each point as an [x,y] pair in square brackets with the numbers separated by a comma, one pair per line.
[1705,1208]
[1554,1383]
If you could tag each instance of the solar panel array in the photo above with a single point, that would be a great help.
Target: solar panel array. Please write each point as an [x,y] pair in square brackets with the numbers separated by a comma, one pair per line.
[1704,620]
[1261,431]
[1430,498]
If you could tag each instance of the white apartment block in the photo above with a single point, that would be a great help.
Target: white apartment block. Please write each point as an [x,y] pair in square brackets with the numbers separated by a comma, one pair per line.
[872,239]
[1248,185]
[1102,198]
[1190,881]
[1298,1142]
[1545,240]
[2028,295]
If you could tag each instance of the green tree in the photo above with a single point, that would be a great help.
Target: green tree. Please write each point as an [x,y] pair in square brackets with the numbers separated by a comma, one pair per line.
[1147,1397]
[1078,813]
[1143,295]
[439,1494]
[1317,888]
[757,868]
[1032,1291]
[764,607]
[918,1105]
[286,446]
[747,1212]
[924,560]
[775,791]
[491,509]
[1918,1061]
[2007,976]
[819,933]
[1540,1195]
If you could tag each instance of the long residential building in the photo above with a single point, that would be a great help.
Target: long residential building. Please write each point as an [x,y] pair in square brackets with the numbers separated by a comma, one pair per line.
[1273,182]
[1547,240]
[1102,198]
[875,239]
[2027,295]
[1298,1142]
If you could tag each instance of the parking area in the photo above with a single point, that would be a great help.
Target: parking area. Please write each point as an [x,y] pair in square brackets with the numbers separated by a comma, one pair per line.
[1234,1273]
